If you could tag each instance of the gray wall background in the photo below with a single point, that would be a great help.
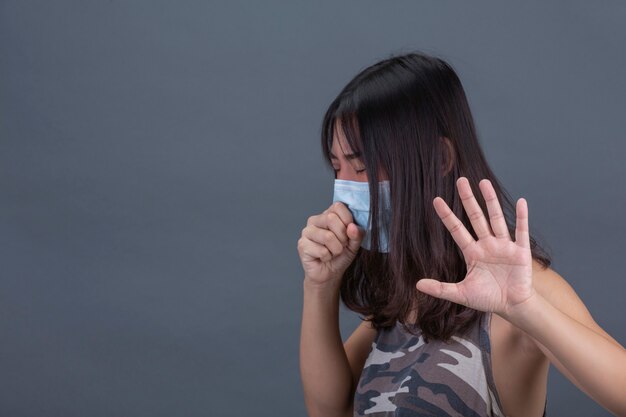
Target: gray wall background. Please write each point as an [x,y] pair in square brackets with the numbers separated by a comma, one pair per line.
[158,161]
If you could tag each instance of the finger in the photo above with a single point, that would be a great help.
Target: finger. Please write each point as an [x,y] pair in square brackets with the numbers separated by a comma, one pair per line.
[445,290]
[457,229]
[323,237]
[318,220]
[355,241]
[474,211]
[355,232]
[316,251]
[498,222]
[341,210]
[522,236]
[330,220]
[337,227]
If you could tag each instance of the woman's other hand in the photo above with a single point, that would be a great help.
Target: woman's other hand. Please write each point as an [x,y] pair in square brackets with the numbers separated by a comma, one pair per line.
[499,270]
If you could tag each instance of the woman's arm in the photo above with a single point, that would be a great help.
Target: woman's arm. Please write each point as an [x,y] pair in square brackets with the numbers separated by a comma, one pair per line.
[502,278]
[324,367]
[562,328]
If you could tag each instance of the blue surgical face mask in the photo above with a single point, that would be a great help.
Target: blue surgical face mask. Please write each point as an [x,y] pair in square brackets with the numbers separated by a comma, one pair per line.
[356,195]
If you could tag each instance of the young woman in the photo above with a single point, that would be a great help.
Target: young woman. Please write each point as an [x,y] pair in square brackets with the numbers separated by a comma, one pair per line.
[463,314]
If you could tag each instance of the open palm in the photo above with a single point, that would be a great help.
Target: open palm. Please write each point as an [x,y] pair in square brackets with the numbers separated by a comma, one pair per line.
[499,270]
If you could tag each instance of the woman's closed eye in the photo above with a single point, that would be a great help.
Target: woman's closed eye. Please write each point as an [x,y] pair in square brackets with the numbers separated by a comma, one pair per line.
[358,171]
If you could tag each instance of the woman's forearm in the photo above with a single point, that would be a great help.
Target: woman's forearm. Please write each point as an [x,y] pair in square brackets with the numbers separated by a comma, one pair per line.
[598,364]
[324,367]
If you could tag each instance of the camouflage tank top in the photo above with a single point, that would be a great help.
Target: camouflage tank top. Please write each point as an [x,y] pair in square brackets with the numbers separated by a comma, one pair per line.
[403,376]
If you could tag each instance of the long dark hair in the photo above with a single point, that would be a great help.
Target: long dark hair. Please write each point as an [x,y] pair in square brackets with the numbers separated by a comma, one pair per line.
[399,113]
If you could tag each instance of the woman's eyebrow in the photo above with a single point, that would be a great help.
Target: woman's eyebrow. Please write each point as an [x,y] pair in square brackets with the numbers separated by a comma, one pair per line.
[348,155]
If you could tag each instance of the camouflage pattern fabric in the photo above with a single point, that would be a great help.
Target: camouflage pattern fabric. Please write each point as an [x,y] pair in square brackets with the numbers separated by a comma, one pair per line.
[403,376]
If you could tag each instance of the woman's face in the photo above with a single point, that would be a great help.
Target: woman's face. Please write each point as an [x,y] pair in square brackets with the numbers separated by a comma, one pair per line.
[347,165]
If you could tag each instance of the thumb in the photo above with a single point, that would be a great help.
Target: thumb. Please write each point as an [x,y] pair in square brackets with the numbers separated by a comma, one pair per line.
[446,290]
[355,235]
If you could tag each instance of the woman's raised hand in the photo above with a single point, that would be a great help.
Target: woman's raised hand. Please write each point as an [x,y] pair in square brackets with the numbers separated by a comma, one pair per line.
[329,243]
[499,270]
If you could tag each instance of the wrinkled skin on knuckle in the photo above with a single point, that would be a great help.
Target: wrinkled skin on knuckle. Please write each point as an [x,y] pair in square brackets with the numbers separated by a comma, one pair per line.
[328,236]
[334,217]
